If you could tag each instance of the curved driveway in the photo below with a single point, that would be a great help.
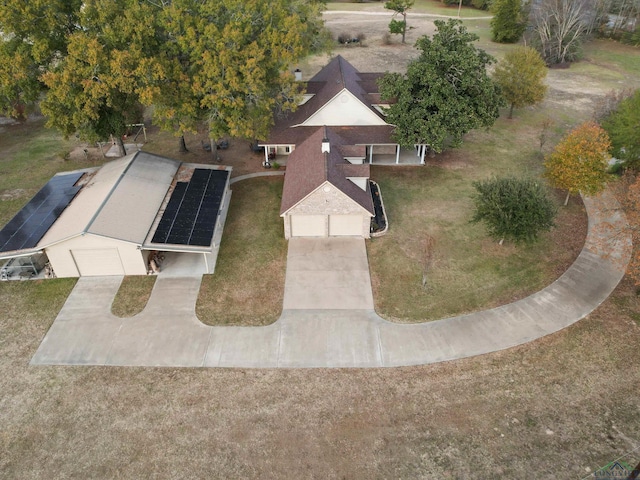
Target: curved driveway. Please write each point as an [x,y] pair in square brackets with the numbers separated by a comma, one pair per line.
[341,332]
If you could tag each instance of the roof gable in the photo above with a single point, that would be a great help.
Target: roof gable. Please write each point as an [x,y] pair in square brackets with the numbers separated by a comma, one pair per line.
[308,168]
[120,201]
[326,86]
[321,195]
[344,108]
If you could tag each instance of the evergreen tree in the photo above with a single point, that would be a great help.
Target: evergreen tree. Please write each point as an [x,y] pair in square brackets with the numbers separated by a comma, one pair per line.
[622,125]
[512,208]
[508,22]
[446,91]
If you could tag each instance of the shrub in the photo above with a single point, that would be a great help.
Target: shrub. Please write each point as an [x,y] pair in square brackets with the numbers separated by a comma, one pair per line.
[512,208]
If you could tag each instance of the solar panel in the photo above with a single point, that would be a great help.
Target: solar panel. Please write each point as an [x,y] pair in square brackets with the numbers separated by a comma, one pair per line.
[192,211]
[34,219]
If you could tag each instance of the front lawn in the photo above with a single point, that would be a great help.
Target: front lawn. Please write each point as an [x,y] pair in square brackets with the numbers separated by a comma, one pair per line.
[247,287]
[470,271]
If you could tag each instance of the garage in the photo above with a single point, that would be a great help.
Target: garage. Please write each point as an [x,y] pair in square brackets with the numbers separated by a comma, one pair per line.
[98,261]
[345,225]
[308,226]
[107,220]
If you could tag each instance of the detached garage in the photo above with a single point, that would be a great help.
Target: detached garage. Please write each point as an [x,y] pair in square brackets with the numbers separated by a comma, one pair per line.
[324,195]
[118,215]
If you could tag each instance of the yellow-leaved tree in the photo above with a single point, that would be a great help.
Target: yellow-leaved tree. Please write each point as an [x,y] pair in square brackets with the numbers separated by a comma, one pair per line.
[579,162]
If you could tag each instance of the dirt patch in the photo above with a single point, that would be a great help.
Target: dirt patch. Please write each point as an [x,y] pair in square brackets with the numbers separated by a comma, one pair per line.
[13,194]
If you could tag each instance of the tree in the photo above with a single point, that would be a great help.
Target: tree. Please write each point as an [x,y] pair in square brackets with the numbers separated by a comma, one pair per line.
[579,162]
[508,22]
[622,127]
[446,91]
[19,84]
[399,27]
[631,188]
[242,57]
[32,35]
[512,208]
[560,27]
[95,89]
[521,77]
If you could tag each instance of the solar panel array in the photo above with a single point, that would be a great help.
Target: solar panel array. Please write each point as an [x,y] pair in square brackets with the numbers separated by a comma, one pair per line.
[192,211]
[34,220]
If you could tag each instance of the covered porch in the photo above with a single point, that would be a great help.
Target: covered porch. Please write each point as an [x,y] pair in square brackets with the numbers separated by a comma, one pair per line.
[394,154]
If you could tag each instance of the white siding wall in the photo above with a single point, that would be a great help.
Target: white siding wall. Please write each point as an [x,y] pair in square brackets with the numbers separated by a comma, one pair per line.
[61,259]
[344,109]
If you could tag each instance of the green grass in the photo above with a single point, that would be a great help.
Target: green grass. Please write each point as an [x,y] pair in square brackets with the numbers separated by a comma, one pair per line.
[31,155]
[470,271]
[247,287]
[433,7]
[133,295]
[35,303]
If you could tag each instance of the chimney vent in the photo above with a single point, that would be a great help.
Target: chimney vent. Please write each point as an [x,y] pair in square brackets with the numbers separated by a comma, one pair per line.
[326,148]
[298,74]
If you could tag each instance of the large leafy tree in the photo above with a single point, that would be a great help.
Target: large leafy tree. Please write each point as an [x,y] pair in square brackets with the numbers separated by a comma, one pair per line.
[513,208]
[95,89]
[224,62]
[400,7]
[446,91]
[509,21]
[579,163]
[521,75]
[242,58]
[33,34]
[623,127]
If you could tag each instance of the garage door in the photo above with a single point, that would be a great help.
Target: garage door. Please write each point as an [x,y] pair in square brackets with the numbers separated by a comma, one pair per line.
[345,225]
[308,226]
[98,261]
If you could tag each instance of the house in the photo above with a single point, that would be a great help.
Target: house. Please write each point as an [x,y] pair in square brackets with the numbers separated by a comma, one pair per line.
[327,145]
[325,195]
[114,219]
[348,102]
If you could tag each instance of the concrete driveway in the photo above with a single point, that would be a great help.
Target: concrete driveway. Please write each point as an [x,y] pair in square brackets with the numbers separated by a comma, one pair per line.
[328,319]
[328,274]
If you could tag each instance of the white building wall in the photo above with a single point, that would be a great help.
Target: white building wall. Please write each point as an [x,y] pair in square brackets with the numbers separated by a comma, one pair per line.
[63,264]
[328,200]
[344,109]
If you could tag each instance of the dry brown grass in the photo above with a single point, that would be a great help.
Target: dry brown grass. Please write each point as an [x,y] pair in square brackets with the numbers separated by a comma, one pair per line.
[133,295]
[247,287]
[485,417]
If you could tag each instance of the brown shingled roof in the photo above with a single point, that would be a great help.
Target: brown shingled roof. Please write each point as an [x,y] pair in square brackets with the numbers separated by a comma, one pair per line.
[337,75]
[308,168]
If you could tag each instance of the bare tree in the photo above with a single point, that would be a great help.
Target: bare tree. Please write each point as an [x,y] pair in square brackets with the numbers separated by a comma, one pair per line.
[559,28]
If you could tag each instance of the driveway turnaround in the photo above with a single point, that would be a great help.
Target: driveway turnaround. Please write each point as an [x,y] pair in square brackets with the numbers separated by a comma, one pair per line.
[328,318]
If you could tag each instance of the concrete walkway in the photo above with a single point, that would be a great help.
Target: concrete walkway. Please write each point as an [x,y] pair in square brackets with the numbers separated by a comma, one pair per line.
[311,333]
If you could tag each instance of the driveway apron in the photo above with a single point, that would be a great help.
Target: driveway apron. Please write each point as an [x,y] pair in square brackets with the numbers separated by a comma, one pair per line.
[327,273]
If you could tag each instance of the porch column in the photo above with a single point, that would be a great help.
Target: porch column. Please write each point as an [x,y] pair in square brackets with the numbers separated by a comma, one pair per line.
[397,154]
[266,154]
[370,154]
[423,149]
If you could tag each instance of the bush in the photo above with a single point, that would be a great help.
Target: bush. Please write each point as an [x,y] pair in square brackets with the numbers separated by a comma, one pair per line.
[344,38]
[512,208]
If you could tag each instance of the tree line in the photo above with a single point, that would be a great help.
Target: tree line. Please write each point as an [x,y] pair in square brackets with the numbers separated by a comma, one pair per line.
[93,64]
